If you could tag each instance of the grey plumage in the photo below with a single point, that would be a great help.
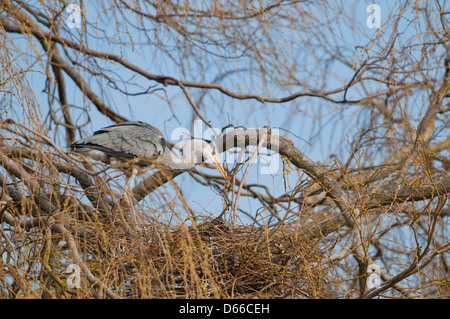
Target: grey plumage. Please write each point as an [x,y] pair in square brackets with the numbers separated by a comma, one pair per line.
[134,147]
[119,144]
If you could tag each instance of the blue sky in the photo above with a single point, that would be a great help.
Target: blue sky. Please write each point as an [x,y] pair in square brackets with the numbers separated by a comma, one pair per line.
[321,130]
[310,122]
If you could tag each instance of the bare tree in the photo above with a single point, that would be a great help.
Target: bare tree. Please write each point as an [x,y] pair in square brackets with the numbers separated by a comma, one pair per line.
[360,211]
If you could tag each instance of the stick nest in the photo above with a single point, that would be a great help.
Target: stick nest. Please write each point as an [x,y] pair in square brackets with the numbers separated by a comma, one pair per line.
[209,260]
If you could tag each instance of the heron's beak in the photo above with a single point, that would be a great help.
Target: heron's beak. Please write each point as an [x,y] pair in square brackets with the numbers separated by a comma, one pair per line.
[216,161]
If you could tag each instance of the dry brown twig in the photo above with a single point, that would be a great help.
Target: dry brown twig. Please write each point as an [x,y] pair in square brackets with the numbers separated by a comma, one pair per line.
[316,236]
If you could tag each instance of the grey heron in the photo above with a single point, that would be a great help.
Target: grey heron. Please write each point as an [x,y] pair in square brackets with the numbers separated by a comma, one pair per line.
[135,147]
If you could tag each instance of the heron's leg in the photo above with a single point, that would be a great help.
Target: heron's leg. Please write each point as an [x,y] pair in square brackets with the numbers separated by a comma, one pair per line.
[131,180]
[129,196]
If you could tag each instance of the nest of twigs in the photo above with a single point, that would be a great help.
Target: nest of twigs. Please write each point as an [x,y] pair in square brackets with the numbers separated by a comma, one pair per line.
[209,260]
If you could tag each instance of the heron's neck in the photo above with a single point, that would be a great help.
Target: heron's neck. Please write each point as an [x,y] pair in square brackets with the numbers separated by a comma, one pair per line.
[172,161]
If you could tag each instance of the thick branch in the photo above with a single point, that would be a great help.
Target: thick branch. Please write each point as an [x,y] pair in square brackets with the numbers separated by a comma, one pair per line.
[329,219]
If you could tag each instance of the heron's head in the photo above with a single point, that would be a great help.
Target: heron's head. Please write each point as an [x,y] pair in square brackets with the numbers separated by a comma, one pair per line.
[197,150]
